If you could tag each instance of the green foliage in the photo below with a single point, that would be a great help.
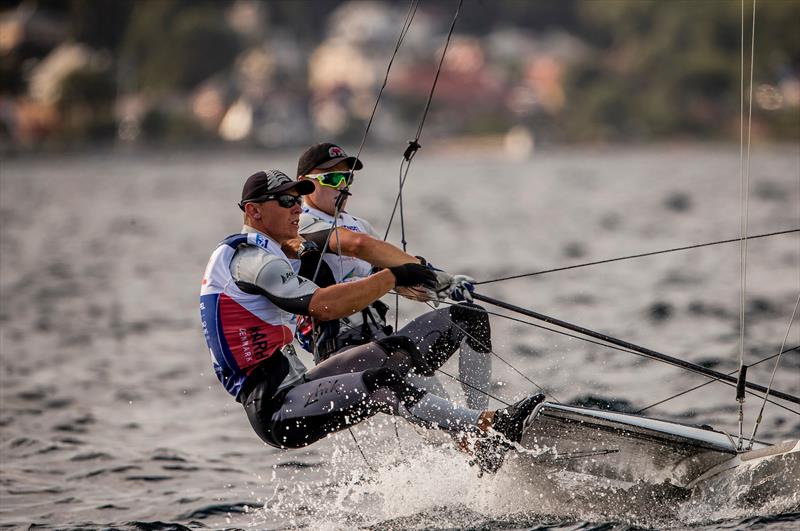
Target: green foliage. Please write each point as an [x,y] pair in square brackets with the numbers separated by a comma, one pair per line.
[655,69]
[674,67]
[173,45]
[161,124]
[86,104]
[87,86]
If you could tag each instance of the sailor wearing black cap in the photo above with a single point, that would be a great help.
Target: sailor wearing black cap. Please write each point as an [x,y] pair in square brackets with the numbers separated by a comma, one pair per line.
[355,248]
[250,297]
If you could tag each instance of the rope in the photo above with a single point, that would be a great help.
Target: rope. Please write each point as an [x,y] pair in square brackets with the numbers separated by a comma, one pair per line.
[344,192]
[353,435]
[414,145]
[586,264]
[408,155]
[412,10]
[462,382]
[774,370]
[481,343]
[744,194]
[621,349]
[715,380]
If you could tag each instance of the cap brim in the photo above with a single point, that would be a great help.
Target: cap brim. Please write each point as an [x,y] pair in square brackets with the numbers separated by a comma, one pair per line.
[353,162]
[303,187]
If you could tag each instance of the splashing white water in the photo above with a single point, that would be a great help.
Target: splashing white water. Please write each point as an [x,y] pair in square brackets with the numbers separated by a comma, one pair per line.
[420,480]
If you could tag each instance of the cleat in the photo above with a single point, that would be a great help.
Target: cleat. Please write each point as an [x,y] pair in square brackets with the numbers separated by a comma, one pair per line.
[490,451]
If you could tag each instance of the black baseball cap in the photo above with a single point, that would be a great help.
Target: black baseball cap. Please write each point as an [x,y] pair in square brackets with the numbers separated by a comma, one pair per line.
[325,155]
[263,184]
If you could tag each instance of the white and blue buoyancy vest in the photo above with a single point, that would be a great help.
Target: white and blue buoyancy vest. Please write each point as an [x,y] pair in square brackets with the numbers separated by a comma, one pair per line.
[245,330]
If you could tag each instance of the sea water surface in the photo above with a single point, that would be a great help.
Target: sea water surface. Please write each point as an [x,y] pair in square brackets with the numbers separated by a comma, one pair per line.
[112,417]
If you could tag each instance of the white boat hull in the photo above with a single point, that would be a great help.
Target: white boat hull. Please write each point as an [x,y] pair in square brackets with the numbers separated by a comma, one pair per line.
[632,449]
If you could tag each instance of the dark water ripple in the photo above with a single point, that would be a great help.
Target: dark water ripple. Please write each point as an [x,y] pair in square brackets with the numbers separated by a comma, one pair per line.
[220,509]
[111,417]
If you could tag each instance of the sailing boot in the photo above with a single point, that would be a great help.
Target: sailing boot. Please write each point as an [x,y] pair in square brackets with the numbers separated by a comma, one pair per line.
[490,451]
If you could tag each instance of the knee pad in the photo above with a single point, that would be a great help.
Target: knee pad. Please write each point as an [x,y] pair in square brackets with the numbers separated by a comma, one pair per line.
[475,321]
[404,344]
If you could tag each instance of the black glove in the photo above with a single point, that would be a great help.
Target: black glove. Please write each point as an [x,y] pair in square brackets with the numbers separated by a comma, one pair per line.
[412,274]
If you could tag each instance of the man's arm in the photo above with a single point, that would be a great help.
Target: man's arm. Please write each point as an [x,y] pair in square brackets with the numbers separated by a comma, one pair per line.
[273,277]
[345,299]
[360,245]
[341,300]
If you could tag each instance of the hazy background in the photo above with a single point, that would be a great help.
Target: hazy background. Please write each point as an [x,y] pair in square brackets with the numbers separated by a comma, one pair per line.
[561,132]
[75,73]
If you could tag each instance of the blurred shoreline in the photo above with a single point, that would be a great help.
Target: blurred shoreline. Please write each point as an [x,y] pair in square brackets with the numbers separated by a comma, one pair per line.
[494,146]
[280,74]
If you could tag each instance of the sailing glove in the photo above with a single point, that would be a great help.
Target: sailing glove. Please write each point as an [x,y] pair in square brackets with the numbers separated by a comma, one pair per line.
[461,288]
[456,287]
[412,274]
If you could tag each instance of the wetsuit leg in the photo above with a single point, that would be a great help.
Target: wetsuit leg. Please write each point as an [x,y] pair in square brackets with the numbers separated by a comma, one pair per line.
[360,358]
[345,390]
[475,372]
[339,392]
[439,333]
[314,409]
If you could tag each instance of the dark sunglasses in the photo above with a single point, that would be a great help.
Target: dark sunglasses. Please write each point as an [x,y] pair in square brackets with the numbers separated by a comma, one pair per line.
[284,200]
[333,179]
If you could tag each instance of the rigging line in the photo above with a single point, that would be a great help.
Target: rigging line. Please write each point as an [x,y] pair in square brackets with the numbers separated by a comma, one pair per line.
[585,454]
[744,172]
[344,192]
[560,332]
[741,183]
[641,255]
[414,145]
[614,347]
[411,150]
[314,332]
[709,382]
[687,365]
[412,10]
[353,435]
[481,343]
[744,214]
[400,182]
[462,382]
[438,71]
[774,370]
[635,353]
[397,198]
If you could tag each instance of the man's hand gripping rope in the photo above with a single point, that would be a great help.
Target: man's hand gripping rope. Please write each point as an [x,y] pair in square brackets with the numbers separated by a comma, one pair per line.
[458,288]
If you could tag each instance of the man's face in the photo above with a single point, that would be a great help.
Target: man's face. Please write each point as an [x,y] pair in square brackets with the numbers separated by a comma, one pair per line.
[324,197]
[279,222]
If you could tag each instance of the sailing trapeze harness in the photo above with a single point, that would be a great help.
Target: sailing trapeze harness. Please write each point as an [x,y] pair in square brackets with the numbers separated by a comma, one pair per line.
[357,329]
[333,336]
[245,333]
